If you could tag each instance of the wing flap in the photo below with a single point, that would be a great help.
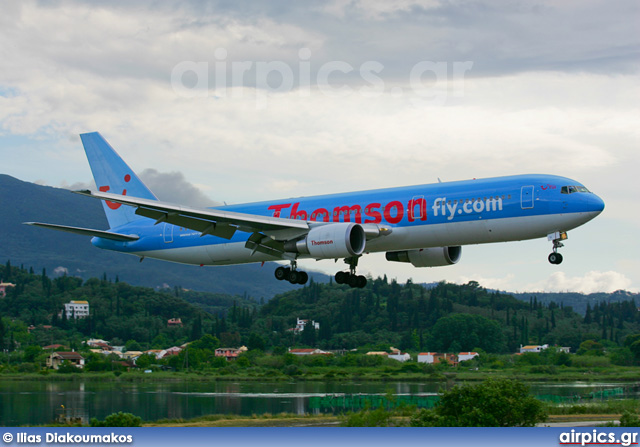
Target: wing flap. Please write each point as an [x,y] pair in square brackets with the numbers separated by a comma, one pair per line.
[204,226]
[87,232]
[260,243]
[206,220]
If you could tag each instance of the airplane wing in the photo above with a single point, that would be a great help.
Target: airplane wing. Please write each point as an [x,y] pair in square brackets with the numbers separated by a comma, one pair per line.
[87,232]
[215,222]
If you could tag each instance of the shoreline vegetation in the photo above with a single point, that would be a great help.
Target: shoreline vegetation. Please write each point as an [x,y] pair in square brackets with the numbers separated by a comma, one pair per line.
[307,420]
[327,374]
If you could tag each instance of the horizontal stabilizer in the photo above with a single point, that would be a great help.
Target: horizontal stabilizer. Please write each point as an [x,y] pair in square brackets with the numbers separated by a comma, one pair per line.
[87,232]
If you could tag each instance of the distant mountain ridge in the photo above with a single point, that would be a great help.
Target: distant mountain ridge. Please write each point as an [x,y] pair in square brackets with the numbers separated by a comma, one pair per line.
[579,301]
[40,248]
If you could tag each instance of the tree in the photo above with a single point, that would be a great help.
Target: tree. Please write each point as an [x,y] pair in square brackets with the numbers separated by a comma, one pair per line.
[132,345]
[255,342]
[493,403]
[207,342]
[118,419]
[1,334]
[196,328]
[590,347]
[145,360]
[466,332]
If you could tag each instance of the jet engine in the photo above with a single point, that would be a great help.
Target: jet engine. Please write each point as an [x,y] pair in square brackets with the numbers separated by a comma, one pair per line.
[427,257]
[337,240]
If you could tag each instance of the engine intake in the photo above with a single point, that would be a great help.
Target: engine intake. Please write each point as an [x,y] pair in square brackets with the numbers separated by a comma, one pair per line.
[338,240]
[427,257]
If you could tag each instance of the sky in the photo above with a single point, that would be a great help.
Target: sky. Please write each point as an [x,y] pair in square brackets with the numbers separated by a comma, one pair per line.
[218,101]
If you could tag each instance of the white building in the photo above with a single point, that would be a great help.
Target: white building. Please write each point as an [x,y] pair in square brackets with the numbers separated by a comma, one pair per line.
[426,357]
[3,288]
[76,309]
[399,356]
[300,324]
[533,348]
[307,352]
[466,356]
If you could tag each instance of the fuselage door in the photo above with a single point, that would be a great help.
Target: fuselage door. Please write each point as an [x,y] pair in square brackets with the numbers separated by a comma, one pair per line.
[417,208]
[526,197]
[167,233]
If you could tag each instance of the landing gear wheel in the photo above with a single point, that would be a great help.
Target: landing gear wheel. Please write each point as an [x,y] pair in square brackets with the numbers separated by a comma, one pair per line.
[298,277]
[282,273]
[353,281]
[555,258]
[294,276]
[303,278]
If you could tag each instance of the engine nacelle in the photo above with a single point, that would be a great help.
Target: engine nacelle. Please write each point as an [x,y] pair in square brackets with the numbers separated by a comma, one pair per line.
[338,240]
[427,257]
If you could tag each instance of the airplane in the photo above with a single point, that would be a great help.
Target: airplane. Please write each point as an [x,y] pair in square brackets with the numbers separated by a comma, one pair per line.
[424,225]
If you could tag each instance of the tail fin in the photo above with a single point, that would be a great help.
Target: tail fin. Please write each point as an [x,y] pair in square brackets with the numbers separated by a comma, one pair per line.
[112,174]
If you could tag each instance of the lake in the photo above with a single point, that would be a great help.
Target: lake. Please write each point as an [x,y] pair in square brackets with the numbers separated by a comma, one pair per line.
[41,401]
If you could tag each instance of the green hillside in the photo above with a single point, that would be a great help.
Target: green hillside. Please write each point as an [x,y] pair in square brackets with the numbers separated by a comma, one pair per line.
[447,317]
[118,311]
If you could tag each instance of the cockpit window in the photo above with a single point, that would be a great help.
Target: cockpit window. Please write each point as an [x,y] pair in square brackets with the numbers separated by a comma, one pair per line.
[573,188]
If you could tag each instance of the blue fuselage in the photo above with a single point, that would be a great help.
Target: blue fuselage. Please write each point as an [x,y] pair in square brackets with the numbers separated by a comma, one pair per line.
[434,215]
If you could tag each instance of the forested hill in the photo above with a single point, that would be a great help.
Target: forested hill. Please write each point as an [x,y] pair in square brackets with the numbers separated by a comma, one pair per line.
[40,248]
[118,311]
[445,318]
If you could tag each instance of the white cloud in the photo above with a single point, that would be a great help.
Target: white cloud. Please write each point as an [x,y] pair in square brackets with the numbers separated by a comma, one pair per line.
[505,283]
[60,271]
[591,282]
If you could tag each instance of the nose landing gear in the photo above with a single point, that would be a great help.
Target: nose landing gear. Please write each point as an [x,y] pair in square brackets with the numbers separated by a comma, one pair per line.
[557,238]
[555,258]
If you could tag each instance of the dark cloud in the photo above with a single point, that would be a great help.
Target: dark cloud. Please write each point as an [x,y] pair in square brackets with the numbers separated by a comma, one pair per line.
[173,187]
[167,186]
[500,37]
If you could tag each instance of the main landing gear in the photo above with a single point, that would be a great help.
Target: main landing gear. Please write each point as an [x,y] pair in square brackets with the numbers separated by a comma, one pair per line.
[350,278]
[557,238]
[291,274]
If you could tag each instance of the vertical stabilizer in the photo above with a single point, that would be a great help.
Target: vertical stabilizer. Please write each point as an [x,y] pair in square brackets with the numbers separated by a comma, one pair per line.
[113,175]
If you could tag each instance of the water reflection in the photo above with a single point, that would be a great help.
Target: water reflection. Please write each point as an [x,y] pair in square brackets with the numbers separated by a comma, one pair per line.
[40,402]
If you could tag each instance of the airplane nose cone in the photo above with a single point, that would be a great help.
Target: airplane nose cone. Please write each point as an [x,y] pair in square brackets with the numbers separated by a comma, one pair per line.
[596,204]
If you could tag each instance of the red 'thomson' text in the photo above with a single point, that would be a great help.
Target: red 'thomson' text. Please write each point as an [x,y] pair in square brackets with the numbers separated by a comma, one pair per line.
[392,212]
